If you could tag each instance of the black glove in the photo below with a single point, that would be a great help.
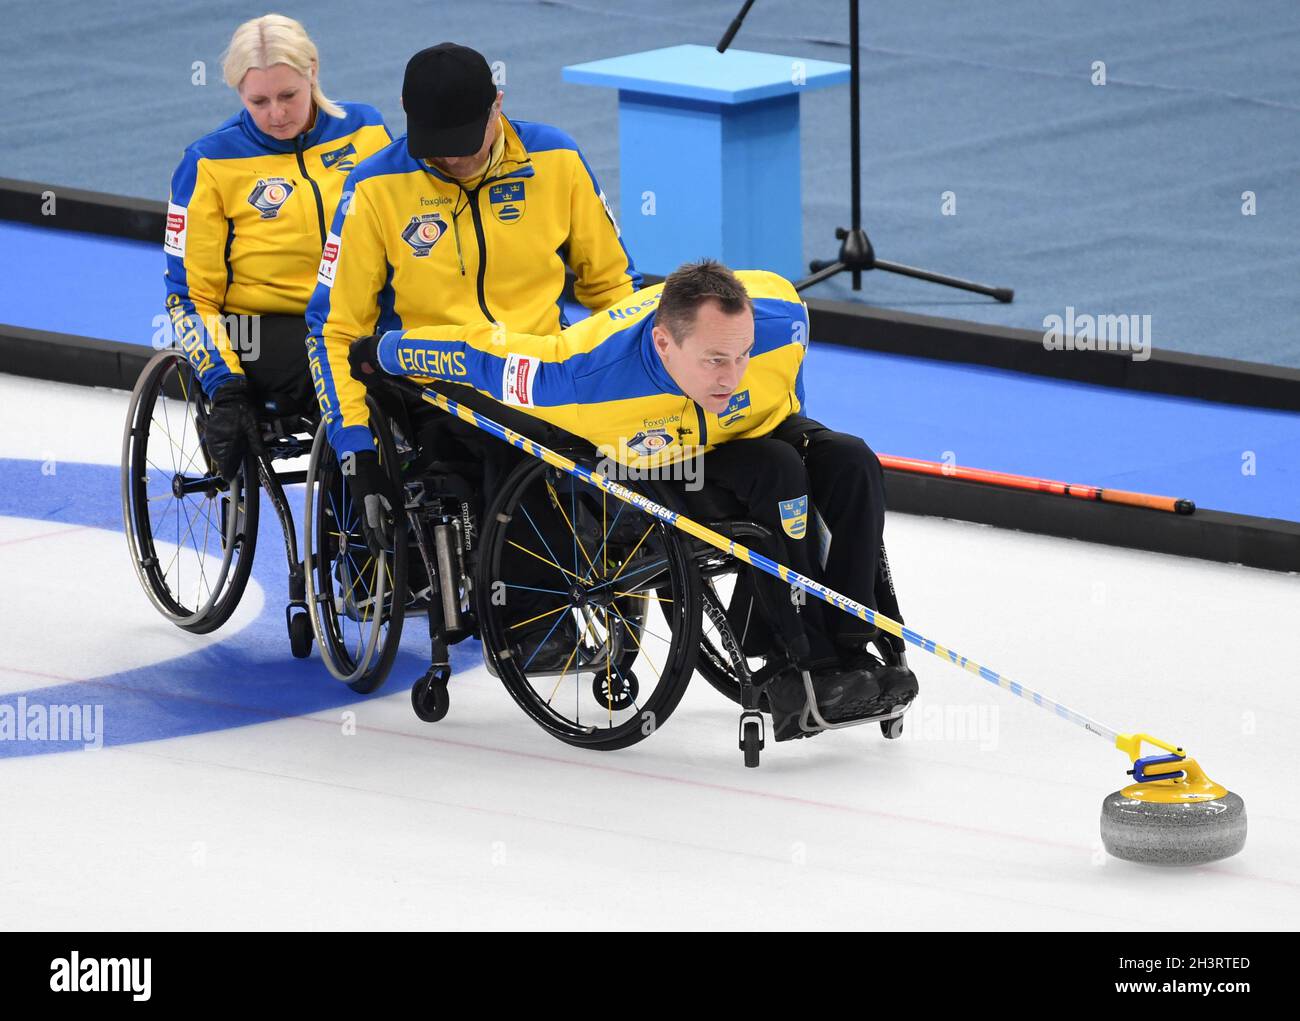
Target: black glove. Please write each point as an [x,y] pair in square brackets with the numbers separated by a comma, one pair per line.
[363,357]
[232,427]
[375,498]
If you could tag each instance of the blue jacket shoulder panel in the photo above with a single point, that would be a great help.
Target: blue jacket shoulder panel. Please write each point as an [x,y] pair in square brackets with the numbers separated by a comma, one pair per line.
[777,323]
[185,175]
[360,114]
[229,141]
[355,116]
[391,159]
[543,137]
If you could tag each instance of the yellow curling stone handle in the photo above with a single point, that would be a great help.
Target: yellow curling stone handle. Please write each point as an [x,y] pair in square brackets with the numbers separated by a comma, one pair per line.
[1194,785]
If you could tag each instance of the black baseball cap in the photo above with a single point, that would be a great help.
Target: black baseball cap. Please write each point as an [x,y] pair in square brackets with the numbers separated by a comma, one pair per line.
[448,93]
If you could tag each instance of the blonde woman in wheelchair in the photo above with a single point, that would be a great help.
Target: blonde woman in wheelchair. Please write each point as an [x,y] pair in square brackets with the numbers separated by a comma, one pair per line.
[245,229]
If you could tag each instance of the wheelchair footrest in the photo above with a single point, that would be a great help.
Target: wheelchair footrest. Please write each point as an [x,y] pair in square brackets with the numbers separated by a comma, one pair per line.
[811,725]
[812,721]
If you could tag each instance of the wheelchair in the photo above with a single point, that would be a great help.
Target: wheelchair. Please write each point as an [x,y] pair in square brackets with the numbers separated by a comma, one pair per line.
[191,534]
[593,613]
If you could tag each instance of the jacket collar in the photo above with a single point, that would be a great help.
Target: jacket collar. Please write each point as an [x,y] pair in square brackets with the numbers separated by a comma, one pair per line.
[304,141]
[515,161]
[652,363]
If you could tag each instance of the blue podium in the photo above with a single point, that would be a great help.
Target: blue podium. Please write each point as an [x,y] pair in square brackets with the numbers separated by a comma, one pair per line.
[709,153]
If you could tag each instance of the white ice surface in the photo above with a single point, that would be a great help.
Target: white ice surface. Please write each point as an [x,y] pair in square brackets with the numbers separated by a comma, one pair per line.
[82,613]
[985,816]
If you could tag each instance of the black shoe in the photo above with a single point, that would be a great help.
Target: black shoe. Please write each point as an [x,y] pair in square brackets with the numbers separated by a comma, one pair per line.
[900,685]
[839,692]
[842,695]
[890,689]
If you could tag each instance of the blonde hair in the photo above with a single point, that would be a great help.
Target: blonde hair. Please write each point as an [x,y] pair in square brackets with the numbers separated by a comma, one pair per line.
[274,39]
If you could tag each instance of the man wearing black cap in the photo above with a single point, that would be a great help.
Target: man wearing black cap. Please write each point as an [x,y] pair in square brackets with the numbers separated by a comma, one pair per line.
[468,218]
[455,111]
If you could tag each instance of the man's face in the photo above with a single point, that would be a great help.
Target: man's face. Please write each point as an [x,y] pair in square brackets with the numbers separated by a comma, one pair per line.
[279,100]
[708,363]
[462,167]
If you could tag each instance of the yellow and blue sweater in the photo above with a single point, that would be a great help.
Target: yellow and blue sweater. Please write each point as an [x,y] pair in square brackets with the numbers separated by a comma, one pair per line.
[602,380]
[411,247]
[247,222]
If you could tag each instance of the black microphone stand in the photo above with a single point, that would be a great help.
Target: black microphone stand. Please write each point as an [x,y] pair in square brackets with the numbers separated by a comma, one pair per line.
[857,255]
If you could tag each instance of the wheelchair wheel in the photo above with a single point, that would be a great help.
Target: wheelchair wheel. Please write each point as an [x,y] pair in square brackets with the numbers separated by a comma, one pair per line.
[577,589]
[356,601]
[191,535]
[714,663]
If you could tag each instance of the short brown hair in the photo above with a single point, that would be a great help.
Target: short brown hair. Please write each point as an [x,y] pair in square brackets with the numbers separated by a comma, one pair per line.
[692,284]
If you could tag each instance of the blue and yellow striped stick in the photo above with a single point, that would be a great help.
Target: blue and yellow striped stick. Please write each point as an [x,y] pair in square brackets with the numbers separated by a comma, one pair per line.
[769,566]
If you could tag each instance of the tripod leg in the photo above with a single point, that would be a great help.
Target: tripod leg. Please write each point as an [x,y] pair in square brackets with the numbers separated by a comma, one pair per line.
[1003,294]
[822,271]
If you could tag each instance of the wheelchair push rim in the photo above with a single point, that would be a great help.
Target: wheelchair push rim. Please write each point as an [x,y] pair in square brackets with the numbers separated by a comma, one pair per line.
[569,574]
[350,593]
[191,535]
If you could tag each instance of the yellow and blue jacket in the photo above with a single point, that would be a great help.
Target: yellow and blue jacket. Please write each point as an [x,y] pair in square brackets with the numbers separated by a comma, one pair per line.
[247,222]
[411,247]
[602,380]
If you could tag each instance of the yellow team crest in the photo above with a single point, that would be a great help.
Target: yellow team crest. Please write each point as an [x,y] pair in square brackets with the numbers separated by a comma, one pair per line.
[794,517]
[507,200]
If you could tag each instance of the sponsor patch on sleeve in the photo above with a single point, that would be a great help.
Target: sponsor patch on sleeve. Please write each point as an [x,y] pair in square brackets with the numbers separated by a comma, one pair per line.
[610,213]
[174,233]
[517,382]
[329,260]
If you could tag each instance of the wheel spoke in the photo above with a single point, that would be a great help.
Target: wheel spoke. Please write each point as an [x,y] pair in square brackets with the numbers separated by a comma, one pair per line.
[564,672]
[632,574]
[573,530]
[168,419]
[524,549]
[644,630]
[200,553]
[530,588]
[171,445]
[189,534]
[559,609]
[639,647]
[189,531]
[207,531]
[554,561]
[628,559]
[604,542]
[545,638]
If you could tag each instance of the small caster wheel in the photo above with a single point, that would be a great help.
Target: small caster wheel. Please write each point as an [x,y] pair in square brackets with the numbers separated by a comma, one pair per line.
[892,729]
[617,691]
[751,741]
[429,696]
[300,635]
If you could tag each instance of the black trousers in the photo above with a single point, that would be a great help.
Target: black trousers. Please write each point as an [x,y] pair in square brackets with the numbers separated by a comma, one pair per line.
[277,368]
[777,481]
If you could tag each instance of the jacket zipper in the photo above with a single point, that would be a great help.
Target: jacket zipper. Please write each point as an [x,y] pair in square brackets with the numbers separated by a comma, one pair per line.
[472,198]
[455,229]
[482,251]
[704,425]
[320,204]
